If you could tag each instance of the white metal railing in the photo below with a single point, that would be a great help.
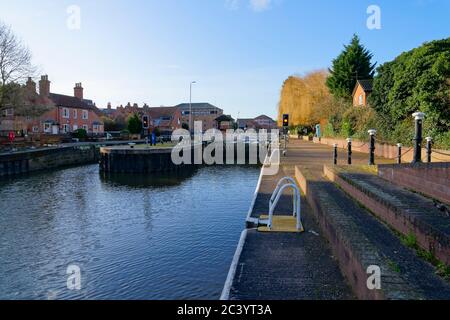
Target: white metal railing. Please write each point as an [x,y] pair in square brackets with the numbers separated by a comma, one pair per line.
[277,189]
[283,184]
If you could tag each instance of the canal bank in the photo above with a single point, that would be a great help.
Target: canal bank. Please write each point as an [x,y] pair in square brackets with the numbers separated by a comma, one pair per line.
[350,238]
[142,159]
[22,162]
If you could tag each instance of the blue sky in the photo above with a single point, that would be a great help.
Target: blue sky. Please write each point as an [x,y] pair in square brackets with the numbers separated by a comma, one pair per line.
[239,51]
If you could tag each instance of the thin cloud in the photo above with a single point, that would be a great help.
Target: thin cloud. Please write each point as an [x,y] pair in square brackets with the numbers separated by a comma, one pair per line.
[255,5]
[260,5]
[232,4]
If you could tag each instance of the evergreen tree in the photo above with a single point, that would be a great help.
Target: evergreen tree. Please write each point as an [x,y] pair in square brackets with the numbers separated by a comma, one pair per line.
[134,124]
[354,63]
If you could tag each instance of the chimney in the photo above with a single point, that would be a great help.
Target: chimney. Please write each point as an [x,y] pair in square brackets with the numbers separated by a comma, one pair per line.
[31,85]
[44,86]
[109,106]
[78,91]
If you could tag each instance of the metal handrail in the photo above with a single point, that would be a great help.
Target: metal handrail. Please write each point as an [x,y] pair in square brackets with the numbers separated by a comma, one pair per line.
[275,192]
[297,209]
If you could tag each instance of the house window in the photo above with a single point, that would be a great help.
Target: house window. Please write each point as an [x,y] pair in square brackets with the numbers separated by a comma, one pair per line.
[86,127]
[66,113]
[85,115]
[9,112]
[35,129]
[96,128]
[360,99]
[75,127]
[66,128]
[75,114]
[47,127]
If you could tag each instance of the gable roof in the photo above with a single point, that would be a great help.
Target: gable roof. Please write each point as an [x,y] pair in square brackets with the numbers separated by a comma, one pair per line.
[170,112]
[70,102]
[366,85]
[264,117]
[197,105]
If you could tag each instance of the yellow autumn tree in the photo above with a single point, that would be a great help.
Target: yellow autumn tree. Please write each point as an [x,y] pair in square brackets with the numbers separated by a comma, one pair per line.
[306,99]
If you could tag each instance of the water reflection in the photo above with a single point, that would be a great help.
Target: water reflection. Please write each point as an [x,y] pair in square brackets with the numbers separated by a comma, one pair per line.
[148,180]
[133,237]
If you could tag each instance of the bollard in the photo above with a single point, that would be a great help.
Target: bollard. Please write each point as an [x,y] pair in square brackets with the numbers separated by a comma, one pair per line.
[429,148]
[349,148]
[372,134]
[418,118]
[335,153]
[399,156]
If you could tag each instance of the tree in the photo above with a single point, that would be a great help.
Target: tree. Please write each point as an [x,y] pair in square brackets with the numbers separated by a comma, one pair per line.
[135,124]
[15,65]
[305,98]
[352,64]
[417,80]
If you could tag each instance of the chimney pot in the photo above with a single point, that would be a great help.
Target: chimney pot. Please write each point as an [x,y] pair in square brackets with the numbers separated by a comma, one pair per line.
[78,91]
[44,86]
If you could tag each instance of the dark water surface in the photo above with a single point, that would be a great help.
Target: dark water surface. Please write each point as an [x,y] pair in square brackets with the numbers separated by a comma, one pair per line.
[133,237]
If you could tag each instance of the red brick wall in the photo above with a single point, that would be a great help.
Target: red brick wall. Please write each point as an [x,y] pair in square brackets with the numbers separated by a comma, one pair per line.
[431,179]
[55,114]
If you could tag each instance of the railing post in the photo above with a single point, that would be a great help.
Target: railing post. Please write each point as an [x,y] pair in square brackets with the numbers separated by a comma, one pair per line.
[335,157]
[372,134]
[349,148]
[429,148]
[418,118]
[399,154]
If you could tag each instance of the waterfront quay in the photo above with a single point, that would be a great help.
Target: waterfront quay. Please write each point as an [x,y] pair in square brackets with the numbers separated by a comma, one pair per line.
[138,159]
[342,240]
[48,158]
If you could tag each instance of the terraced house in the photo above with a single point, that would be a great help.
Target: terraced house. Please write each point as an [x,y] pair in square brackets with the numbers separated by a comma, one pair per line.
[64,114]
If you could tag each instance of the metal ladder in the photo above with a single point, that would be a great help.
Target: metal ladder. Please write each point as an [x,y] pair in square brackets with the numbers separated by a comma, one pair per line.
[283,184]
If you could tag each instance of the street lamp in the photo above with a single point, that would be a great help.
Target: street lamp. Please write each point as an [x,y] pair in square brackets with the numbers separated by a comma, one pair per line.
[190,107]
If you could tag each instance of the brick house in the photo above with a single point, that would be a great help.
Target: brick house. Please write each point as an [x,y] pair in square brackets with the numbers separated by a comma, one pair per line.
[363,89]
[166,119]
[67,113]
[258,123]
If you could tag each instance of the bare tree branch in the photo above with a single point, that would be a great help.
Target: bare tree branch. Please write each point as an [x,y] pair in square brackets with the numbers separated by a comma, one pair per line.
[15,66]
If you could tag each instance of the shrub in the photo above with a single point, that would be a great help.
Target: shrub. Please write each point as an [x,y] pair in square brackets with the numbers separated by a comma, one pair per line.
[80,134]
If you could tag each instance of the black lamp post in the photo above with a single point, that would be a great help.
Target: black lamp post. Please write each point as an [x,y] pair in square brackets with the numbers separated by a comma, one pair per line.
[429,148]
[418,139]
[372,134]
[349,148]
[399,154]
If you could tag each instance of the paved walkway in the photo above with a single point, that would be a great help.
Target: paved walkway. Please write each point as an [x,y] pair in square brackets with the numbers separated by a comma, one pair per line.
[291,266]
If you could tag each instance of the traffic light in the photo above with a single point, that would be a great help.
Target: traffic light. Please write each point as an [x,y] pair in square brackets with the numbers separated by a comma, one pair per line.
[285,120]
[145,122]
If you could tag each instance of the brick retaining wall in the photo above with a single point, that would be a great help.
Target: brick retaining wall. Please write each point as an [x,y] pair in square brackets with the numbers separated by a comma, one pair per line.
[431,179]
[30,161]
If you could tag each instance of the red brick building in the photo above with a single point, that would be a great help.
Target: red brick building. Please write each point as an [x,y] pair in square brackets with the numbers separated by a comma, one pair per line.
[166,119]
[258,123]
[363,89]
[67,113]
